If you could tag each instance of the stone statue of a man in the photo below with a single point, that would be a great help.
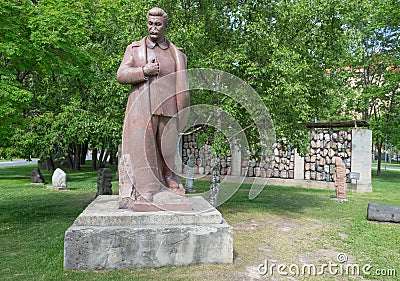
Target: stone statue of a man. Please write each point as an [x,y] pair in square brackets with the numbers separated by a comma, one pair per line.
[156,70]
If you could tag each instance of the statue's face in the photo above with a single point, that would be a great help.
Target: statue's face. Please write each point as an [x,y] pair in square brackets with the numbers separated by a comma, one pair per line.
[156,28]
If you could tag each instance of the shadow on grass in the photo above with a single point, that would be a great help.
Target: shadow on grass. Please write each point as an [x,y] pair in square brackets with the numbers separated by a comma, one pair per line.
[14,177]
[82,177]
[387,176]
[23,204]
[276,199]
[32,203]
[32,206]
[22,172]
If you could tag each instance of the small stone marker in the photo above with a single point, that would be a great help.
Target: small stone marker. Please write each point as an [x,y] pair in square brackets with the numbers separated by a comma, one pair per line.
[36,176]
[383,213]
[104,185]
[190,173]
[59,180]
[339,178]
[215,180]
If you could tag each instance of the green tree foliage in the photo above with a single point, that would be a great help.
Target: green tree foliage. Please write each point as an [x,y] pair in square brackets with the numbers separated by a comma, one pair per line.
[66,67]
[14,59]
[373,71]
[59,58]
[281,48]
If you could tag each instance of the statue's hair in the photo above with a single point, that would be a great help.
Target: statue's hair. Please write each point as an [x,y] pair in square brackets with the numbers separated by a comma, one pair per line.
[158,12]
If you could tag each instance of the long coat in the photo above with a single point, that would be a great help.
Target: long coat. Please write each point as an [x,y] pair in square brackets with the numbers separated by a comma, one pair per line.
[139,167]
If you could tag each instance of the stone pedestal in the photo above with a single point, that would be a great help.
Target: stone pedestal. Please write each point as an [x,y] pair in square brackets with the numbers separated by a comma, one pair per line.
[162,201]
[361,158]
[105,237]
[236,160]
[298,166]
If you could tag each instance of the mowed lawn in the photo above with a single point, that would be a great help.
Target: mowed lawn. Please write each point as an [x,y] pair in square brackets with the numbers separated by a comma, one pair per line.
[285,226]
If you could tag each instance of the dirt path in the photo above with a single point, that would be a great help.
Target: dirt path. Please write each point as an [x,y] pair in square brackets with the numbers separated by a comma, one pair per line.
[302,248]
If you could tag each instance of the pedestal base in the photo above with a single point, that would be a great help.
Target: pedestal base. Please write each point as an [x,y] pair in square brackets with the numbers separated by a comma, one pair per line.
[105,237]
[58,187]
[164,201]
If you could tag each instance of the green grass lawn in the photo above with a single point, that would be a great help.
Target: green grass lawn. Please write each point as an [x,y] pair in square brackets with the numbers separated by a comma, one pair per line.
[388,165]
[284,225]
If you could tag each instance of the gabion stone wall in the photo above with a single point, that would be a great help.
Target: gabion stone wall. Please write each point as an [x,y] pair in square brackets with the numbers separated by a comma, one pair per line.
[324,145]
[204,157]
[189,146]
[280,165]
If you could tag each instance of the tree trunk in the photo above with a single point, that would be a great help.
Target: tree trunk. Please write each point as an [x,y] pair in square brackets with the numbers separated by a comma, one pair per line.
[105,158]
[94,159]
[111,161]
[70,156]
[116,157]
[113,158]
[50,164]
[379,147]
[77,157]
[84,151]
[101,158]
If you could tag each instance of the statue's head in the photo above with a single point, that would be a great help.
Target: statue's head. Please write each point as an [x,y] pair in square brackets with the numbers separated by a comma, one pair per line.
[157,24]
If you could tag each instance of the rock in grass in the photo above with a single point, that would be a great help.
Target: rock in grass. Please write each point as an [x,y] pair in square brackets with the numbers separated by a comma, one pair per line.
[383,213]
[36,176]
[104,179]
[59,180]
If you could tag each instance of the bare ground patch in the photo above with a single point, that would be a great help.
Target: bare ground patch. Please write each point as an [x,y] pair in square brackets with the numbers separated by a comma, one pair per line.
[284,240]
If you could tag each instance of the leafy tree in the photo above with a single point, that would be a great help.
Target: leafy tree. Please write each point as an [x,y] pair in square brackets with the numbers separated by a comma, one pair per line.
[374,72]
[15,57]
[70,80]
[281,48]
[59,58]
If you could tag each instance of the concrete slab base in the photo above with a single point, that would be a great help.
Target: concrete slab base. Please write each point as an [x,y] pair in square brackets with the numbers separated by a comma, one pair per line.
[106,237]
[58,187]
[340,200]
[163,201]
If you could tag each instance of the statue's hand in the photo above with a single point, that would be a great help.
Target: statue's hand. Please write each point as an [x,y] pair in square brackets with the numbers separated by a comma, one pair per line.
[151,69]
